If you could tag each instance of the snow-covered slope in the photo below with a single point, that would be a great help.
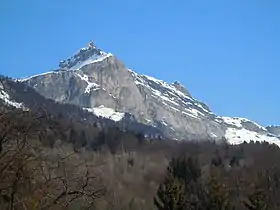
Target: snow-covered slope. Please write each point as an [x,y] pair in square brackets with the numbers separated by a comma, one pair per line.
[105,112]
[174,98]
[5,97]
[239,122]
[237,136]
[92,78]
[244,130]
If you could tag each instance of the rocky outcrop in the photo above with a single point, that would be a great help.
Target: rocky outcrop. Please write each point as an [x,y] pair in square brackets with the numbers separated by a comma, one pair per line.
[274,130]
[181,88]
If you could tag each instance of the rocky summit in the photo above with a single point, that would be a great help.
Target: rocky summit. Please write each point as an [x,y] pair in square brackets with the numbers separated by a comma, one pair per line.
[100,83]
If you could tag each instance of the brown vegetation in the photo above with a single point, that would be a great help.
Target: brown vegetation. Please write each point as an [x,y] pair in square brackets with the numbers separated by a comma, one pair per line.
[36,177]
[50,161]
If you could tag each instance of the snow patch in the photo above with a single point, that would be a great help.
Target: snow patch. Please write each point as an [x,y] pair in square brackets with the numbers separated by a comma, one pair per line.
[90,85]
[90,60]
[6,98]
[213,135]
[195,112]
[163,122]
[191,115]
[153,79]
[172,128]
[37,75]
[161,96]
[238,136]
[105,112]
[172,90]
[237,121]
[177,110]
[232,121]
[200,106]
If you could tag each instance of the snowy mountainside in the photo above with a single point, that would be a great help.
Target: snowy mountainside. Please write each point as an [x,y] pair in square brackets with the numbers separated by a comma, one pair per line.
[242,129]
[172,97]
[100,83]
[6,98]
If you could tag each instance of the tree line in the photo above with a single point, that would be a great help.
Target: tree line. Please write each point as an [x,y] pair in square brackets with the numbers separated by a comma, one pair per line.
[222,186]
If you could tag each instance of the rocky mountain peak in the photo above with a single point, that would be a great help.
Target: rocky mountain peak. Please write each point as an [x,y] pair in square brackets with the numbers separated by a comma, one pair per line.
[90,44]
[89,53]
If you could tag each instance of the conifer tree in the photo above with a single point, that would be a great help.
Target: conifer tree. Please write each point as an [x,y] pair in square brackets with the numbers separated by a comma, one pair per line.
[73,136]
[217,195]
[180,189]
[185,170]
[170,194]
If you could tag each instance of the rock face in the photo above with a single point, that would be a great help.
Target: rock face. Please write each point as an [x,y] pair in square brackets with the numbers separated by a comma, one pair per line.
[14,94]
[92,78]
[274,130]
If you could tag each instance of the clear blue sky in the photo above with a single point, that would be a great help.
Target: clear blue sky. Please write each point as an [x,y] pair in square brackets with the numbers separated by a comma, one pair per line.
[226,53]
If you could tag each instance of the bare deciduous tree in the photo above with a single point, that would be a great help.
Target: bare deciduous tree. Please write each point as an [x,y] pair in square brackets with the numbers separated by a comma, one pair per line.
[35,177]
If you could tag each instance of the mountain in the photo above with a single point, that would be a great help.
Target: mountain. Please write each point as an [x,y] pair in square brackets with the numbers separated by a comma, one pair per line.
[14,94]
[100,83]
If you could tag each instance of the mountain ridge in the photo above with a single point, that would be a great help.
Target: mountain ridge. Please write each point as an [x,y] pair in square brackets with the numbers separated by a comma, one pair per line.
[92,78]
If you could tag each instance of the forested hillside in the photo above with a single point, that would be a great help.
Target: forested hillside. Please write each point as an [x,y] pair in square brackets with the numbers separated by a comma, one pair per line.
[50,161]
